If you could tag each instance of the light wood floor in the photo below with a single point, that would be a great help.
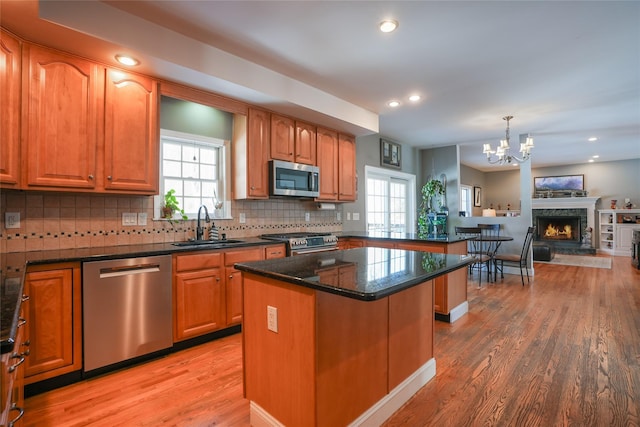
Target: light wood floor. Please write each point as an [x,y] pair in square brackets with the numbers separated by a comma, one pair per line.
[563,350]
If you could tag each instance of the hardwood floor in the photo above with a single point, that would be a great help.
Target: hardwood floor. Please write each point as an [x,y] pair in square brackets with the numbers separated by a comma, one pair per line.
[563,350]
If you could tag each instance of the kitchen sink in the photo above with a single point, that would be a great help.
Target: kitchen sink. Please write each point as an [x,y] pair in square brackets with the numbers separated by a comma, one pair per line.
[208,242]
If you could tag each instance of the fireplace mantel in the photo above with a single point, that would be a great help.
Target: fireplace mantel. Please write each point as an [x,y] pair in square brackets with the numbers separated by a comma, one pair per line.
[588,203]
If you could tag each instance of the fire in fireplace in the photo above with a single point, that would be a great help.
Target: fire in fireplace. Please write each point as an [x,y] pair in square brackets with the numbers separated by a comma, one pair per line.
[559,228]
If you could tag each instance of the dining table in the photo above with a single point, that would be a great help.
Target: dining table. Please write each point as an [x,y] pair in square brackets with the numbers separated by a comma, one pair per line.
[494,244]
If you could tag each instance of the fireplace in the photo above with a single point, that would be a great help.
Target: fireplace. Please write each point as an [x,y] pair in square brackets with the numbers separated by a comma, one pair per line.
[559,228]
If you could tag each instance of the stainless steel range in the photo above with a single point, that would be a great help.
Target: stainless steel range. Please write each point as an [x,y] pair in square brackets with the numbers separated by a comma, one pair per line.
[305,243]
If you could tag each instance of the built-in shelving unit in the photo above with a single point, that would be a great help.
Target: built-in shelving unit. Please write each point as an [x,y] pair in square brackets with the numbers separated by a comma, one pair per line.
[615,230]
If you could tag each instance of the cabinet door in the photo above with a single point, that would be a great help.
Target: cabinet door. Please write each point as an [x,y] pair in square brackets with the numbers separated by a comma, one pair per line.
[347,168]
[50,324]
[327,155]
[257,153]
[624,237]
[10,69]
[234,295]
[282,138]
[131,133]
[62,123]
[305,144]
[200,303]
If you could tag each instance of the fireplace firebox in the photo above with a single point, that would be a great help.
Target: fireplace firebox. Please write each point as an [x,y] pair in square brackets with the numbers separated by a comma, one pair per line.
[559,228]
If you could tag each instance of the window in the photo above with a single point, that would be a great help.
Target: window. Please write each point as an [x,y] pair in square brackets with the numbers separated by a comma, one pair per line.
[389,205]
[194,166]
[466,200]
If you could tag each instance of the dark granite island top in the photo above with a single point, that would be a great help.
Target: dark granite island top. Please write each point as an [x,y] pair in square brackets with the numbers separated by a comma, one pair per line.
[377,272]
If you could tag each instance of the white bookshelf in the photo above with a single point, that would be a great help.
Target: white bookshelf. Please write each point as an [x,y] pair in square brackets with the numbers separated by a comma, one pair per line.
[615,228]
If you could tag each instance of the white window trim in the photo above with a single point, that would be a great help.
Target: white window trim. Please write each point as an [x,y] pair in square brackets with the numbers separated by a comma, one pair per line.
[411,197]
[225,165]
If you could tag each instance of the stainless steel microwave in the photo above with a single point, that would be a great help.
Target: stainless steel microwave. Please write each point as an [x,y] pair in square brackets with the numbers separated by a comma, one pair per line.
[293,179]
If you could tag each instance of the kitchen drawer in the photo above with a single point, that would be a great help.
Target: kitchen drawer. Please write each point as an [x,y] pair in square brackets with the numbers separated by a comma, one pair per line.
[243,255]
[197,261]
[271,252]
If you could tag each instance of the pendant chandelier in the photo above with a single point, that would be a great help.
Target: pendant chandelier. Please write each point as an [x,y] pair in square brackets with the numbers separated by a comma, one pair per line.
[502,152]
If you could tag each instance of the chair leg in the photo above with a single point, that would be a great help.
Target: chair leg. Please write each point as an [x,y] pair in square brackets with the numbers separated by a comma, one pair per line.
[522,275]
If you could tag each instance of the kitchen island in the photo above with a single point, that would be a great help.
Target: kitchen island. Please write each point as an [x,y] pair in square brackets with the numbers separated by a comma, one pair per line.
[339,338]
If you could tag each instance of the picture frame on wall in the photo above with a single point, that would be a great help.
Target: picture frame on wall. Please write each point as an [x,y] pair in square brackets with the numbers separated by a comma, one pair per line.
[477,197]
[390,154]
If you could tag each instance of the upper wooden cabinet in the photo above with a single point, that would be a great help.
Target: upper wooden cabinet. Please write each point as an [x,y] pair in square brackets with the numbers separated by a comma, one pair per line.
[347,185]
[328,164]
[62,120]
[250,149]
[10,69]
[305,146]
[86,127]
[337,162]
[282,138]
[292,141]
[131,132]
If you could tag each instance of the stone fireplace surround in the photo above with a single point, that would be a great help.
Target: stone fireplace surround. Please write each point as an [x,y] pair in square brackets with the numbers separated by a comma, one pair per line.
[582,207]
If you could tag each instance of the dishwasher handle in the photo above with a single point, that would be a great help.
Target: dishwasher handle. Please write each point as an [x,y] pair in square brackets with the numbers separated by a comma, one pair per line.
[128,270]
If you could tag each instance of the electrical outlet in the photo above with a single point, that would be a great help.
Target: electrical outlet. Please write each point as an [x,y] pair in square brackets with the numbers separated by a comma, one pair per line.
[129,218]
[142,218]
[272,319]
[242,218]
[348,216]
[307,216]
[339,216]
[12,219]
[356,216]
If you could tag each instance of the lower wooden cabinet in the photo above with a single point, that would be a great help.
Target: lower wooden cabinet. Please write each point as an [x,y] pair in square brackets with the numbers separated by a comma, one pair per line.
[208,289]
[12,378]
[53,316]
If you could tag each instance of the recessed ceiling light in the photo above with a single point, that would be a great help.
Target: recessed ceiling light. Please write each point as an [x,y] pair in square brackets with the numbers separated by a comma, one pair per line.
[592,139]
[414,98]
[596,156]
[393,104]
[127,60]
[591,160]
[388,25]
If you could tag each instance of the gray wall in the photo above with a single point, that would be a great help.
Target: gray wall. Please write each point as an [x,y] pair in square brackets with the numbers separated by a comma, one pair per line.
[196,119]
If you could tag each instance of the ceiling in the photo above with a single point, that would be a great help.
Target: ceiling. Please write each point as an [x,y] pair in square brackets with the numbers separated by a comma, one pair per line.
[566,70]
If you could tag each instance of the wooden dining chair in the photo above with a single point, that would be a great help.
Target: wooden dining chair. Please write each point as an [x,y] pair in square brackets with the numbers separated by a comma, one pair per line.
[489,246]
[474,247]
[514,259]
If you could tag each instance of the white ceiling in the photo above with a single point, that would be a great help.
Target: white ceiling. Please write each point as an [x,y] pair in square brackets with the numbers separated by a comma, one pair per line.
[566,70]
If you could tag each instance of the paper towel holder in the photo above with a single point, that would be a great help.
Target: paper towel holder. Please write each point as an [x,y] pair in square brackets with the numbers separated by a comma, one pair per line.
[326,206]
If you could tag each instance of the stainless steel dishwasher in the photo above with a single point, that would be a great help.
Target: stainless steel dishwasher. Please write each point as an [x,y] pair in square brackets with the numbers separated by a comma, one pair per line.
[127,310]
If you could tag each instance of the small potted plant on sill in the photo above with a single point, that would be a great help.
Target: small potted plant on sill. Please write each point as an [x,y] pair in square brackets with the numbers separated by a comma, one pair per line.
[171,206]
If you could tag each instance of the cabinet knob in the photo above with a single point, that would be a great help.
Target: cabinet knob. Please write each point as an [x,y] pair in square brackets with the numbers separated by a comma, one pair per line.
[109,177]
[253,188]
[91,177]
[231,276]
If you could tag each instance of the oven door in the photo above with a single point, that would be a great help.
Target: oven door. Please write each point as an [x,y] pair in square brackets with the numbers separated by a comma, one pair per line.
[305,251]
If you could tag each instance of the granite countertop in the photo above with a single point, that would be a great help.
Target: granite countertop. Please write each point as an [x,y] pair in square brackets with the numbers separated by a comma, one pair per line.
[13,266]
[414,237]
[378,272]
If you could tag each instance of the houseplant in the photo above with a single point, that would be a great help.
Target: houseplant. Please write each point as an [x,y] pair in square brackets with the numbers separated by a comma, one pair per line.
[427,218]
[171,205]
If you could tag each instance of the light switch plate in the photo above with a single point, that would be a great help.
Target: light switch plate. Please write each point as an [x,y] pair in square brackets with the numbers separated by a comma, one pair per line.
[142,218]
[272,318]
[242,218]
[12,219]
[129,218]
[356,216]
[339,216]
[307,216]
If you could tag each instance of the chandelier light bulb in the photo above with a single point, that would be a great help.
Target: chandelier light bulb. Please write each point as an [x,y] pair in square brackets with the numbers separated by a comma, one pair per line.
[502,152]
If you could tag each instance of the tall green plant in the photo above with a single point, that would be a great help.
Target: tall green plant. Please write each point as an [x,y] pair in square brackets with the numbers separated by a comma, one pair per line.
[433,188]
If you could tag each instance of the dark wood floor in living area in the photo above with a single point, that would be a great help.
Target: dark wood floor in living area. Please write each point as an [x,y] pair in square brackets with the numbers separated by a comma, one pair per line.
[563,350]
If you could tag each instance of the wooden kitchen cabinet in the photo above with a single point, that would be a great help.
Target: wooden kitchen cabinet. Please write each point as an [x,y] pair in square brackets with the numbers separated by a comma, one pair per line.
[199,294]
[328,162]
[54,320]
[10,79]
[347,185]
[131,144]
[282,138]
[305,144]
[12,378]
[337,162]
[250,149]
[62,120]
[234,280]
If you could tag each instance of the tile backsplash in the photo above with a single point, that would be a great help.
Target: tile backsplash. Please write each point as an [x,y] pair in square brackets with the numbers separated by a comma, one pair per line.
[62,221]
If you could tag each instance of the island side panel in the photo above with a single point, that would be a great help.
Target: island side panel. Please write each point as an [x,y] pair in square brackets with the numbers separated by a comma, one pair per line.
[352,357]
[411,318]
[279,368]
[457,291]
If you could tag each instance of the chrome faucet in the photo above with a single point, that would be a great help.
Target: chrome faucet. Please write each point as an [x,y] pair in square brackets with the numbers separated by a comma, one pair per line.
[199,229]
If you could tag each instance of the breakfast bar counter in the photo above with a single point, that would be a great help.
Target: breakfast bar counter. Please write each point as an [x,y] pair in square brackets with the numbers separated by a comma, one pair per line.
[339,338]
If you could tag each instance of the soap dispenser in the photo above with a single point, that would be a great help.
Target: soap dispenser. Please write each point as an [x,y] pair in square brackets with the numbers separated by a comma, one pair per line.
[213,232]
